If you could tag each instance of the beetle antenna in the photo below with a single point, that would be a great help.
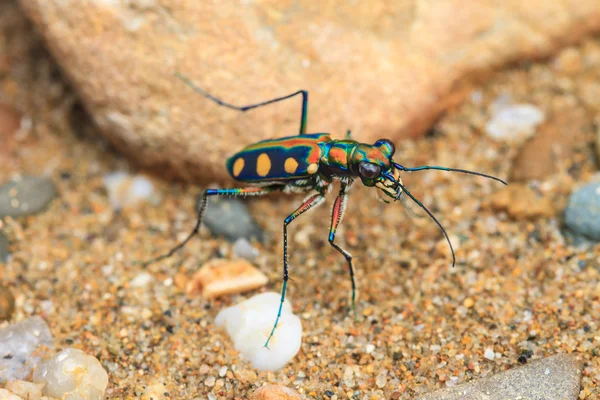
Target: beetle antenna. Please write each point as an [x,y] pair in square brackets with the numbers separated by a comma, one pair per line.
[464,171]
[432,217]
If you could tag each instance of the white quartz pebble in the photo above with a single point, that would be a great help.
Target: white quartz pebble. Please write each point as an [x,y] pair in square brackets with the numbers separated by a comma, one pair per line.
[249,324]
[73,375]
[126,190]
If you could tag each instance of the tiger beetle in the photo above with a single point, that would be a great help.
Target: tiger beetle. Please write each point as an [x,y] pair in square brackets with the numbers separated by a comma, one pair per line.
[311,162]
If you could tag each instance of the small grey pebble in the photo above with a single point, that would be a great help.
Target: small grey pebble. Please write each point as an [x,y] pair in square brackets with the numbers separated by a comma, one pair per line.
[3,248]
[582,214]
[244,249]
[231,219]
[25,196]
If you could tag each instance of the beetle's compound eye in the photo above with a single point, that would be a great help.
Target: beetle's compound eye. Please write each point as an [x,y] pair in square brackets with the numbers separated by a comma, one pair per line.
[369,170]
[386,143]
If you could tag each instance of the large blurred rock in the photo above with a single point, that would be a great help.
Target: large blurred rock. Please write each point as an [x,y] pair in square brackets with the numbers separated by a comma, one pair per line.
[382,68]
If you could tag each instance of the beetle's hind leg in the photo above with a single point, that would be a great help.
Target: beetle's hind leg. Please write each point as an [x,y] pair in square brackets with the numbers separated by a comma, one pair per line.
[254,191]
[310,202]
[337,214]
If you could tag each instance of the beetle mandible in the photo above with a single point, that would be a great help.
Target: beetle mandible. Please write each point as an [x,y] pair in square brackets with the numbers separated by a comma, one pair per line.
[311,162]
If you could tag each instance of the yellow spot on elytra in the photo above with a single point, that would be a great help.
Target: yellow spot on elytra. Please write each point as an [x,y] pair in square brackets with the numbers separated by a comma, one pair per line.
[290,165]
[263,165]
[238,166]
[312,168]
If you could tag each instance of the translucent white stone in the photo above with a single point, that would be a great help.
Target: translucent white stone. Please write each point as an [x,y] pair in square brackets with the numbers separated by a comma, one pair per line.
[21,346]
[125,190]
[72,375]
[249,324]
[514,122]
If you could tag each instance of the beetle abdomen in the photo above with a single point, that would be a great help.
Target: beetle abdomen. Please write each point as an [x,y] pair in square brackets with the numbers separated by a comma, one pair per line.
[278,159]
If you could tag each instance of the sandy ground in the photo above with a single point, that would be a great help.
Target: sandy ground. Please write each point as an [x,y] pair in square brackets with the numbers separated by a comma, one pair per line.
[422,325]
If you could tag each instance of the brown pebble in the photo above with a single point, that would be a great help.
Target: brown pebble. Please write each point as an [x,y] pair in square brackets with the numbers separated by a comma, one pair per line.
[10,119]
[219,277]
[7,303]
[275,392]
[469,302]
[520,201]
[555,143]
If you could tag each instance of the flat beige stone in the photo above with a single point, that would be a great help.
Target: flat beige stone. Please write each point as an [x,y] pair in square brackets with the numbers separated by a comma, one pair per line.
[553,378]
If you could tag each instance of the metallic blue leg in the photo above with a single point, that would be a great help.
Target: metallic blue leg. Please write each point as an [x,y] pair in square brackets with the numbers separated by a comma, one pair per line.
[309,203]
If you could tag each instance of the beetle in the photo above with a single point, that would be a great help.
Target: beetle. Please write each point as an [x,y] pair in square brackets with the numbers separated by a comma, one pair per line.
[311,162]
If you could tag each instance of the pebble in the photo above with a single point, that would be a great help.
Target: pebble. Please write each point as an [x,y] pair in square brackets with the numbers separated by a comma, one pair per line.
[21,346]
[231,219]
[10,119]
[4,244]
[26,390]
[142,280]
[219,277]
[7,395]
[521,201]
[489,354]
[243,248]
[555,144]
[582,214]
[249,324]
[125,190]
[25,196]
[554,377]
[514,123]
[72,374]
[275,392]
[7,303]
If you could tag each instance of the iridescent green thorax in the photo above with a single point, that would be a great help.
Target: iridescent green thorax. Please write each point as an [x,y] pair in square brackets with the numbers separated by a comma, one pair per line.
[335,157]
[342,157]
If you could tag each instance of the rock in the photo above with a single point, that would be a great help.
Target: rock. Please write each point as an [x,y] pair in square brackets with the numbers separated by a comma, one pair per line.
[521,201]
[26,390]
[275,392]
[243,249]
[425,53]
[555,143]
[7,303]
[249,324]
[582,214]
[230,218]
[72,374]
[125,190]
[4,244]
[25,196]
[8,395]
[514,122]
[554,377]
[141,280]
[21,346]
[219,277]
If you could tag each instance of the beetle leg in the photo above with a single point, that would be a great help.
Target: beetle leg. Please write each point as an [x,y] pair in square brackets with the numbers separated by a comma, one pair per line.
[220,102]
[310,202]
[337,214]
[253,191]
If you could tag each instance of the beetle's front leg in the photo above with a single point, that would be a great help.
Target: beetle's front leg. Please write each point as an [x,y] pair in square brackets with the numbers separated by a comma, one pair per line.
[337,214]
[310,202]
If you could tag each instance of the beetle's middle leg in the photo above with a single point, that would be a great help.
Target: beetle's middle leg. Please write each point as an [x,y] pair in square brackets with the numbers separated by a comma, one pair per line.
[310,202]
[337,214]
[251,191]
